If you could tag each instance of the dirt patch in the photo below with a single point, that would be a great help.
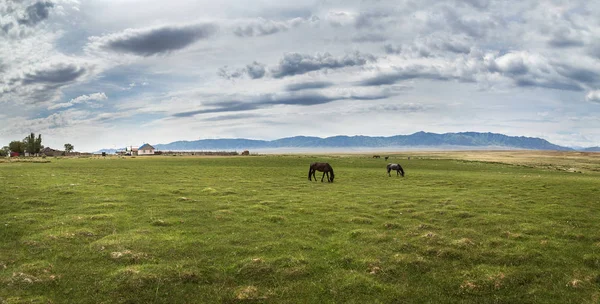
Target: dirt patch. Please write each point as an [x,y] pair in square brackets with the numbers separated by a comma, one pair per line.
[249,293]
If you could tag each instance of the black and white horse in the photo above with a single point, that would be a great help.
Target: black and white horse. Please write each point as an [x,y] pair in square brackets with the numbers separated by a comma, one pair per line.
[397,167]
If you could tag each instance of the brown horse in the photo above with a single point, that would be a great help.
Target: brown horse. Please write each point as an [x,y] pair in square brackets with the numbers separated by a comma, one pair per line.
[322,167]
[376,156]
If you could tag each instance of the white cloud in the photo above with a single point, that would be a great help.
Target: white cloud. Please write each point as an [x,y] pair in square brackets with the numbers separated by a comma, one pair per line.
[264,27]
[158,40]
[593,96]
[80,99]
[340,18]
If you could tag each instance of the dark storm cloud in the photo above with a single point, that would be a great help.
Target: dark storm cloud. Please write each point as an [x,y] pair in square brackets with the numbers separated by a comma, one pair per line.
[308,86]
[371,20]
[232,107]
[296,64]
[260,102]
[564,42]
[269,100]
[226,73]
[155,41]
[58,74]
[233,117]
[583,75]
[402,74]
[455,47]
[7,27]
[594,49]
[258,30]
[434,47]
[532,81]
[523,69]
[255,70]
[461,24]
[43,83]
[36,13]
[527,70]
[564,38]
[392,50]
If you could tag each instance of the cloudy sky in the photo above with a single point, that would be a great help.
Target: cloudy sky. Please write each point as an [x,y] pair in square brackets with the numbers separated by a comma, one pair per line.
[111,73]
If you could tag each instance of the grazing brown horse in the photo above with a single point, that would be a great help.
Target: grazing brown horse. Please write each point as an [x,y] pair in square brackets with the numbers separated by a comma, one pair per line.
[376,156]
[397,167]
[322,167]
[386,158]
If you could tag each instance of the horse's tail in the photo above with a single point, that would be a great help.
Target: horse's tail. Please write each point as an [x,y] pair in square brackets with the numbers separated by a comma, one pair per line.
[331,171]
[309,171]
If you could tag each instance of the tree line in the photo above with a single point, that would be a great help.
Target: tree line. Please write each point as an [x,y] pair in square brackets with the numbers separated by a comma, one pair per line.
[30,144]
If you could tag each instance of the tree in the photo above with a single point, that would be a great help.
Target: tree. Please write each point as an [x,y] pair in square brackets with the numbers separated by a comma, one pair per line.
[4,151]
[69,148]
[32,144]
[16,146]
[38,144]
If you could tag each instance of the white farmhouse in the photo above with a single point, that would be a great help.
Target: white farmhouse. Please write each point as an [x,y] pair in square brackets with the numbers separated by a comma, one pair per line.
[146,149]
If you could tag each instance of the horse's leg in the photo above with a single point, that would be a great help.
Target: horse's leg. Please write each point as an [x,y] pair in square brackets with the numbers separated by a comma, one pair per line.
[323,176]
[313,174]
[389,170]
[328,178]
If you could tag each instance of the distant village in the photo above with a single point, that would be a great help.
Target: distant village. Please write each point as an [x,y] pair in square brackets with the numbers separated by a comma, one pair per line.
[144,150]
[31,146]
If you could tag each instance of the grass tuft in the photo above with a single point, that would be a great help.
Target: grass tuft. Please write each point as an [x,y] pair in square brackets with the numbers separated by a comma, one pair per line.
[160,223]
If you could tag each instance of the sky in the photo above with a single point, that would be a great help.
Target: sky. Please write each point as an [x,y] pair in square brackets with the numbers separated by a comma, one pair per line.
[114,73]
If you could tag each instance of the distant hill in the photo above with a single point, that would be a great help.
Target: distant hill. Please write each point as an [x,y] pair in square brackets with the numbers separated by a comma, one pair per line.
[591,149]
[419,139]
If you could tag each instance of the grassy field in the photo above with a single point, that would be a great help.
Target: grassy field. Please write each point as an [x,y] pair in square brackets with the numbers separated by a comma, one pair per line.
[255,230]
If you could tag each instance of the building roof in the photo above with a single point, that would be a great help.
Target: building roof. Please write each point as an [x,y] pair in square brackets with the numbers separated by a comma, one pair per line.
[146,147]
[48,149]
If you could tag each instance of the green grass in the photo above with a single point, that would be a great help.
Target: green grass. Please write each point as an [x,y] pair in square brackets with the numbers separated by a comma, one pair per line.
[255,230]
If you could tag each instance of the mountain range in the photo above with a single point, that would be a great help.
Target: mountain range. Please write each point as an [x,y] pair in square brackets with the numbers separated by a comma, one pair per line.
[464,140]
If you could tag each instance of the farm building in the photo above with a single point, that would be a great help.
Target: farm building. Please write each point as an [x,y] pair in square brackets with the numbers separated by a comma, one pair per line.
[131,150]
[51,152]
[146,149]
